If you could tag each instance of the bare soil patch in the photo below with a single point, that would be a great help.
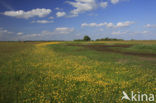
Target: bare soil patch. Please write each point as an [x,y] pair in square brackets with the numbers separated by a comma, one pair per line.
[109,48]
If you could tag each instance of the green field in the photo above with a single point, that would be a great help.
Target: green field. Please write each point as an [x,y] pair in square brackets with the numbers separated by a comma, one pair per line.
[76,72]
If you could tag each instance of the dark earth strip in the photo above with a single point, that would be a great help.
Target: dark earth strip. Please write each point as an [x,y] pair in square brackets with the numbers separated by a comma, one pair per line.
[115,49]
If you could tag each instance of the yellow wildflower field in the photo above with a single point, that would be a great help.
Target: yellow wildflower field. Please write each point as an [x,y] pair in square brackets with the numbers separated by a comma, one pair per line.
[54,72]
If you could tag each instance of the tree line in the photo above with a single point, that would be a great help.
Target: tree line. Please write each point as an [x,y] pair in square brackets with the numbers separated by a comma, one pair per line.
[87,38]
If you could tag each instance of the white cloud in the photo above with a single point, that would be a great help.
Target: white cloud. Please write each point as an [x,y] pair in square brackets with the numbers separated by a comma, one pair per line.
[117,1]
[109,25]
[30,36]
[20,33]
[4,31]
[93,24]
[58,8]
[63,30]
[119,32]
[145,32]
[124,24]
[51,17]
[82,6]
[28,14]
[114,1]
[150,26]
[104,4]
[47,34]
[60,14]
[6,34]
[130,32]
[42,21]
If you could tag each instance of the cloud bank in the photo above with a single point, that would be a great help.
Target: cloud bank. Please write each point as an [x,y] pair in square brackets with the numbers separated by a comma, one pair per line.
[42,21]
[109,25]
[28,14]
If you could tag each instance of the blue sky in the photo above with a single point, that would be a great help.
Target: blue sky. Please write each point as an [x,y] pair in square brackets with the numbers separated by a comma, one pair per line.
[72,19]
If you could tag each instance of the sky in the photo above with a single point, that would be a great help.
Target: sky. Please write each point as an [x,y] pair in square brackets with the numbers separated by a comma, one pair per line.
[73,19]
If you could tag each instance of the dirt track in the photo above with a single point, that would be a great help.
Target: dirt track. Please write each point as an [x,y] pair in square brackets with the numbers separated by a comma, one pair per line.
[115,49]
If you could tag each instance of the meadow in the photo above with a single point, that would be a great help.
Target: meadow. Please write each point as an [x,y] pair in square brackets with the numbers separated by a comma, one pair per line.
[76,72]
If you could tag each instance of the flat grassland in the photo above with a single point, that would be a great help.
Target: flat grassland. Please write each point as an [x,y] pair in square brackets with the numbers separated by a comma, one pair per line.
[76,72]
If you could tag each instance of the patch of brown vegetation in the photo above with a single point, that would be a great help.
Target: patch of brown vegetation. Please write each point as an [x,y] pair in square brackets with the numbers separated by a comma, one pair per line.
[116,49]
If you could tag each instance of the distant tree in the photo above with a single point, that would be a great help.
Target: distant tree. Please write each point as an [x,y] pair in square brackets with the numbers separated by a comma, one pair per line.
[86,38]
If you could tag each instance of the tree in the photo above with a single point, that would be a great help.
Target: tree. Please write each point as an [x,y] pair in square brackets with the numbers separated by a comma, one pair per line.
[86,38]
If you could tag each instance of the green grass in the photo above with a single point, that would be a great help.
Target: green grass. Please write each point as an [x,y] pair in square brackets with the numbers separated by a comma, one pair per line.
[143,48]
[44,73]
